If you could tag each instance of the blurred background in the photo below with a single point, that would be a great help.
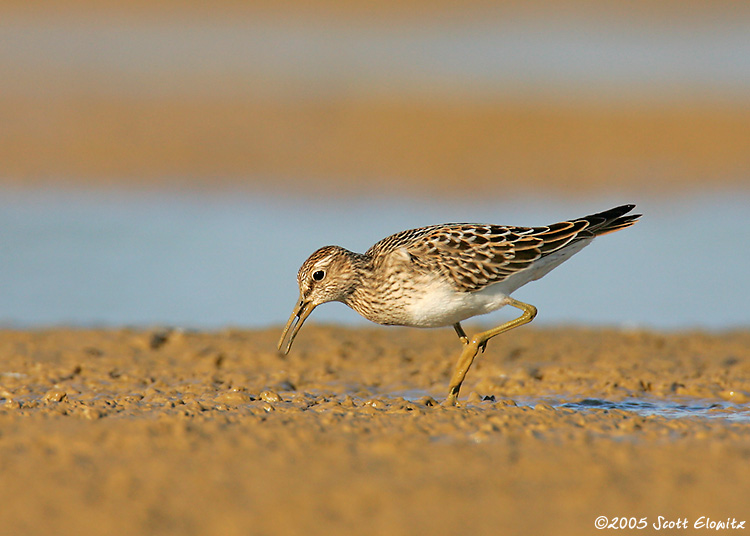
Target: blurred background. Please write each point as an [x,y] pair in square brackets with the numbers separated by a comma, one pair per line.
[174,163]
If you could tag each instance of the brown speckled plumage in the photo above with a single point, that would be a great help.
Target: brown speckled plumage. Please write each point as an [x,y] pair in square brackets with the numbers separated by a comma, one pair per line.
[473,256]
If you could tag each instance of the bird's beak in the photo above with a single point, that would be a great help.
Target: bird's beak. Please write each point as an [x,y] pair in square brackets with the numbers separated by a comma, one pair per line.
[299,314]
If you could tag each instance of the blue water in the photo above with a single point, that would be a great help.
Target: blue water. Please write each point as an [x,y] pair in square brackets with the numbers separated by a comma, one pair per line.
[579,53]
[647,406]
[209,261]
[689,407]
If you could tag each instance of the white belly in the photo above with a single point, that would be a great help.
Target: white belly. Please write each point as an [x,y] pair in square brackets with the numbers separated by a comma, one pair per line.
[441,305]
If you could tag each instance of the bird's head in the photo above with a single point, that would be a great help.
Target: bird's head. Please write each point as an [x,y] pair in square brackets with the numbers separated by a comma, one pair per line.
[327,275]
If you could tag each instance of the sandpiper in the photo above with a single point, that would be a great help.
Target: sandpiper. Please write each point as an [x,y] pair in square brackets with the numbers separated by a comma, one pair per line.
[443,274]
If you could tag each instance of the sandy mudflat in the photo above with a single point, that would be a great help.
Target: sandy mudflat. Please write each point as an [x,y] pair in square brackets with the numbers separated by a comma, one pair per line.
[373,145]
[138,432]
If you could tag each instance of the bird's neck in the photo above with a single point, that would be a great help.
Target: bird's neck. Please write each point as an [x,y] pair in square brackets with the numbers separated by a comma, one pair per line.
[367,296]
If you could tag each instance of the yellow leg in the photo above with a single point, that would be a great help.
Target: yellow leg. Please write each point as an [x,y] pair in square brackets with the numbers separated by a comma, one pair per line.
[479,340]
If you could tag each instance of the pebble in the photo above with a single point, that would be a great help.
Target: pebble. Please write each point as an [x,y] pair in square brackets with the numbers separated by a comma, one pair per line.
[428,401]
[270,396]
[233,398]
[376,403]
[55,395]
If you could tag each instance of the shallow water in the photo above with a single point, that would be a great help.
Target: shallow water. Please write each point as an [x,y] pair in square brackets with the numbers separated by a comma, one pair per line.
[208,261]
[683,407]
[582,54]
[709,409]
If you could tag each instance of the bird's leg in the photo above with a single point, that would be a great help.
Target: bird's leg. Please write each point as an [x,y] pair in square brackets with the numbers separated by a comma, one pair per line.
[461,333]
[480,341]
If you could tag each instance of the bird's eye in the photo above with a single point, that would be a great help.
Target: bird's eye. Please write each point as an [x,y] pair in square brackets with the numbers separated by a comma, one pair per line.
[318,275]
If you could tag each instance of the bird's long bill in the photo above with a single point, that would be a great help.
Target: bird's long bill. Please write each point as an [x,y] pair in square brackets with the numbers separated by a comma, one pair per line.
[300,313]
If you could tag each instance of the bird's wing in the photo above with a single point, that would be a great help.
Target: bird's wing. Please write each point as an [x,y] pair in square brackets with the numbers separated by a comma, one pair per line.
[474,256]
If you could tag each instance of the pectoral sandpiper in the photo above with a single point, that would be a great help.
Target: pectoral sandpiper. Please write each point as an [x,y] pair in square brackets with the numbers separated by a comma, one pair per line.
[443,274]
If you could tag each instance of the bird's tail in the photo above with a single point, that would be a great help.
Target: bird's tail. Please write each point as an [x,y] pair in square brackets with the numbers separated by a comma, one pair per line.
[611,220]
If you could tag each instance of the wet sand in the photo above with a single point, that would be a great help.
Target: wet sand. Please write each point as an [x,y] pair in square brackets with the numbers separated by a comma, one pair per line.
[165,432]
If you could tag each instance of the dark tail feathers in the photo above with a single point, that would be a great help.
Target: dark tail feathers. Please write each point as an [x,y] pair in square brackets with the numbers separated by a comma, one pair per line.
[611,220]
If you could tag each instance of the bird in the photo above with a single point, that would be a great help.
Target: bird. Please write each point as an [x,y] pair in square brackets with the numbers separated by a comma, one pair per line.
[441,275]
